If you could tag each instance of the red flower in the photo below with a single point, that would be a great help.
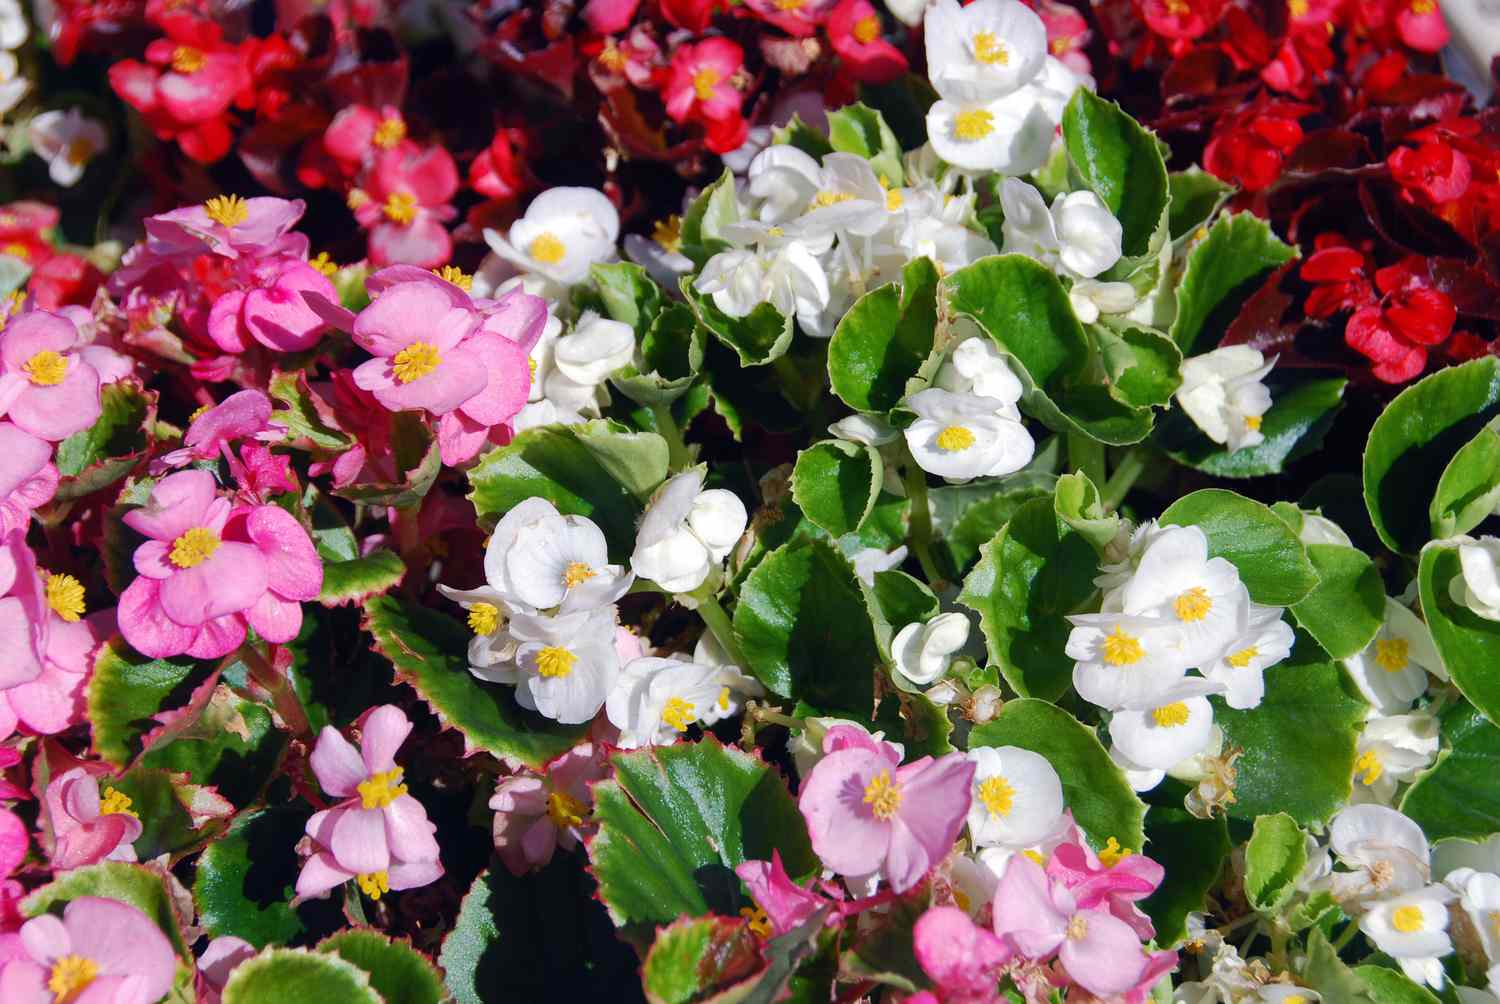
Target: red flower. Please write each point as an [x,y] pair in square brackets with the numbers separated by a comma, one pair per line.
[795,17]
[1437,169]
[64,279]
[1250,150]
[499,172]
[1067,34]
[1421,25]
[1182,19]
[607,17]
[1341,275]
[694,15]
[1410,319]
[703,85]
[854,31]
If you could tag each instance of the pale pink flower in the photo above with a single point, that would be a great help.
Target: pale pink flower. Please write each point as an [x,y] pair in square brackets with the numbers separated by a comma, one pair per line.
[23,619]
[534,814]
[218,960]
[47,388]
[960,957]
[1095,885]
[87,829]
[100,952]
[28,478]
[257,227]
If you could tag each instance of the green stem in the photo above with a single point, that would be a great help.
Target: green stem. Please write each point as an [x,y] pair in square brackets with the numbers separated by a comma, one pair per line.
[678,454]
[921,522]
[722,627]
[1346,936]
[283,697]
[794,383]
[1131,466]
[1086,455]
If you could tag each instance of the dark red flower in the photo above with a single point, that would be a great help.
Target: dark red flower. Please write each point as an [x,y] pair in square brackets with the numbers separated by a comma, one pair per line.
[1181,19]
[1251,148]
[499,172]
[1435,168]
[1411,318]
[1340,275]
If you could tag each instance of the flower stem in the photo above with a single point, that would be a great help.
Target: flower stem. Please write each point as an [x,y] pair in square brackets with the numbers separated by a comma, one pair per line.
[279,685]
[921,522]
[722,627]
[1086,455]
[1131,466]
[678,455]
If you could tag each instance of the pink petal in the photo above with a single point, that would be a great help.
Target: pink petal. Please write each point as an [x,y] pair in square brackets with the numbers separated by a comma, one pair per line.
[177,504]
[46,938]
[411,312]
[201,95]
[55,413]
[358,840]
[844,832]
[1107,959]
[243,413]
[33,332]
[24,982]
[90,843]
[414,874]
[229,581]
[14,841]
[382,733]
[153,559]
[218,637]
[122,940]
[22,456]
[786,903]
[458,376]
[337,764]
[408,832]
[224,322]
[518,316]
[957,954]
[275,619]
[19,659]
[293,569]
[319,874]
[279,317]
[934,801]
[509,381]
[1024,911]
[424,242]
[460,438]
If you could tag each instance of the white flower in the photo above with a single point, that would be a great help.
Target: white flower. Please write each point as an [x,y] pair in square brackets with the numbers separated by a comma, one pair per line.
[908,12]
[660,255]
[686,531]
[1318,529]
[583,360]
[974,883]
[806,746]
[960,437]
[1011,135]
[1392,671]
[1028,228]
[977,366]
[1479,897]
[1413,930]
[984,51]
[67,141]
[1386,854]
[566,666]
[13,86]
[1127,551]
[1122,659]
[922,652]
[1241,669]
[1393,749]
[1287,993]
[1222,393]
[1090,298]
[853,268]
[13,28]
[870,560]
[1478,588]
[1177,581]
[657,699]
[540,357]
[563,233]
[783,273]
[538,558]
[784,179]
[492,648]
[1018,798]
[544,412]
[1172,727]
[867,430]
[1454,854]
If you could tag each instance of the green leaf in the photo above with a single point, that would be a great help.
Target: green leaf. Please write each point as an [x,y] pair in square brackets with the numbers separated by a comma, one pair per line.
[1299,744]
[803,136]
[629,294]
[127,691]
[1144,367]
[597,469]
[1035,572]
[1300,415]
[232,744]
[278,975]
[1413,441]
[672,353]
[861,130]
[1236,252]
[1345,610]
[307,418]
[697,958]
[1022,306]
[1327,974]
[1196,196]
[1456,797]
[357,579]
[676,820]
[1469,489]
[1093,786]
[836,483]
[884,339]
[420,460]
[1274,859]
[1468,644]
[1272,562]
[904,103]
[704,222]
[245,880]
[113,446]
[804,628]
[1386,986]
[133,884]
[175,815]
[1077,504]
[1121,163]
[398,972]
[430,652]
[761,336]
[965,517]
[902,599]
[1196,850]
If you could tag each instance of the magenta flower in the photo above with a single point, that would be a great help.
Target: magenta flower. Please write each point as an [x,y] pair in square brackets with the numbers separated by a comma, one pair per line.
[243,414]
[959,956]
[1115,887]
[379,835]
[46,387]
[87,828]
[867,813]
[28,478]
[534,814]
[786,904]
[100,952]
[271,309]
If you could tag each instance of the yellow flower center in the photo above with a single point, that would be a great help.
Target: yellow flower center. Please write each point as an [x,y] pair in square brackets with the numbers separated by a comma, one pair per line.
[1169,716]
[1423,6]
[775,232]
[704,82]
[1078,928]
[894,200]
[554,662]
[79,151]
[115,802]
[1034,855]
[455,275]
[46,368]
[1392,654]
[194,547]
[356,198]
[757,921]
[989,50]
[380,790]
[564,810]
[10,306]
[1113,853]
[324,264]
[1368,768]
[375,884]
[679,714]
[1297,8]
[1407,919]
[789,4]
[955,438]
[866,29]
[17,250]
[882,795]
[723,701]
[1294,999]
[484,618]
[186,59]
[577,571]
[611,58]
[390,132]
[65,597]
[227,210]
[70,976]
[547,248]
[997,795]
[1241,659]
[827,198]
[668,233]
[975,123]
[1253,422]
[415,361]
[400,207]
[1193,605]
[1121,649]
[1178,8]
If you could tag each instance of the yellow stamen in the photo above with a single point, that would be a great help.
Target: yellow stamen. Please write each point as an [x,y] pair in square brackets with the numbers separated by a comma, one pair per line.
[357,198]
[723,701]
[1295,999]
[455,275]
[1193,605]
[866,29]
[380,790]
[1113,853]
[10,306]
[17,250]
[577,572]
[375,884]
[1241,659]
[679,714]
[704,82]
[1121,649]
[400,208]
[186,59]
[1392,654]
[555,662]
[1078,927]
[1034,855]
[79,151]
[611,58]
[668,233]
[1253,422]
[484,618]
[65,597]
[997,795]
[70,976]
[975,123]
[390,132]
[324,264]
[114,802]
[1422,7]
[894,200]
[227,210]
[547,249]
[789,4]
[954,439]
[1169,716]
[989,50]
[415,361]
[1297,8]
[1407,919]
[757,921]
[564,810]
[46,368]
[883,795]
[827,198]
[194,547]
[1368,768]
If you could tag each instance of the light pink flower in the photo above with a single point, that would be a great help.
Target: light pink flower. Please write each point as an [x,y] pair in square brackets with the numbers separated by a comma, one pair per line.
[100,952]
[534,814]
[85,828]
[42,622]
[607,17]
[1094,885]
[261,227]
[46,386]
[271,309]
[294,572]
[218,960]
[407,205]
[28,478]
[959,956]
[14,841]
[23,616]
[866,813]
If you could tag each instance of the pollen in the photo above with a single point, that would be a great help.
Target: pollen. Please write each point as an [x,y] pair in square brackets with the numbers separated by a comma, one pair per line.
[65,597]
[577,572]
[883,795]
[1253,422]
[1178,8]
[1368,768]
[357,198]
[455,275]
[611,58]
[194,547]
[1078,928]
[390,132]
[115,802]
[227,210]
[324,264]
[415,361]
[1193,604]
[989,50]
[826,198]
[723,700]
[668,233]
[375,884]
[1113,853]
[1392,654]
[790,4]
[555,662]
[484,618]
[17,250]
[565,811]
[400,207]
[679,714]
[1407,919]
[704,82]
[997,795]
[380,790]
[1169,716]
[547,248]
[1034,855]
[866,29]
[1121,649]
[70,976]
[954,439]
[973,124]
[46,368]
[1423,7]
[1297,8]
[1295,999]
[186,59]
[1241,659]
[79,151]
[757,921]
[894,200]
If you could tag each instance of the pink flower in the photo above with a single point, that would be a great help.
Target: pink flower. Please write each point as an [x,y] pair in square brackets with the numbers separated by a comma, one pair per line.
[534,814]
[800,18]
[294,572]
[866,813]
[22,617]
[28,478]
[1421,25]
[42,625]
[272,311]
[606,17]
[218,960]
[242,414]
[1114,887]
[854,31]
[359,132]
[406,206]
[85,827]
[379,834]
[229,226]
[786,904]
[14,842]
[46,387]
[100,952]
[703,81]
[959,956]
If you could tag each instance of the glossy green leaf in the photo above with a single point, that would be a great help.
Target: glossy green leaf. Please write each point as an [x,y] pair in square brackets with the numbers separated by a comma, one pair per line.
[1121,163]
[758,338]
[1469,489]
[1274,859]
[1194,851]
[884,339]
[1272,562]
[398,972]
[1302,411]
[965,517]
[671,358]
[861,130]
[704,221]
[231,744]
[278,975]
[1236,252]
[127,691]
[1347,607]
[628,293]
[1456,796]
[1387,986]
[133,884]
[1468,644]
[1196,197]
[1324,972]
[803,136]
[697,958]
[308,420]
[836,483]
[356,580]
[1077,504]
[108,450]
[1144,367]
[245,880]
[175,815]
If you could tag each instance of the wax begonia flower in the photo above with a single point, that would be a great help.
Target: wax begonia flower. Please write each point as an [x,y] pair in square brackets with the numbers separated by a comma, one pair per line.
[1392,670]
[1413,929]
[922,652]
[655,700]
[806,746]
[977,366]
[536,814]
[1478,585]
[854,31]
[406,205]
[1223,393]
[67,141]
[1176,580]
[274,313]
[786,904]
[868,813]
[1077,234]
[1157,733]
[983,51]
[1018,798]
[1393,749]
[46,387]
[1386,854]
[583,360]
[704,82]
[47,644]
[1010,135]
[1267,640]
[563,232]
[28,478]
[378,834]
[1478,897]
[241,415]
[960,437]
[566,665]
[1122,659]
[359,133]
[230,226]
[218,961]
[294,572]
[87,826]
[783,273]
[686,532]
[99,951]
[960,957]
